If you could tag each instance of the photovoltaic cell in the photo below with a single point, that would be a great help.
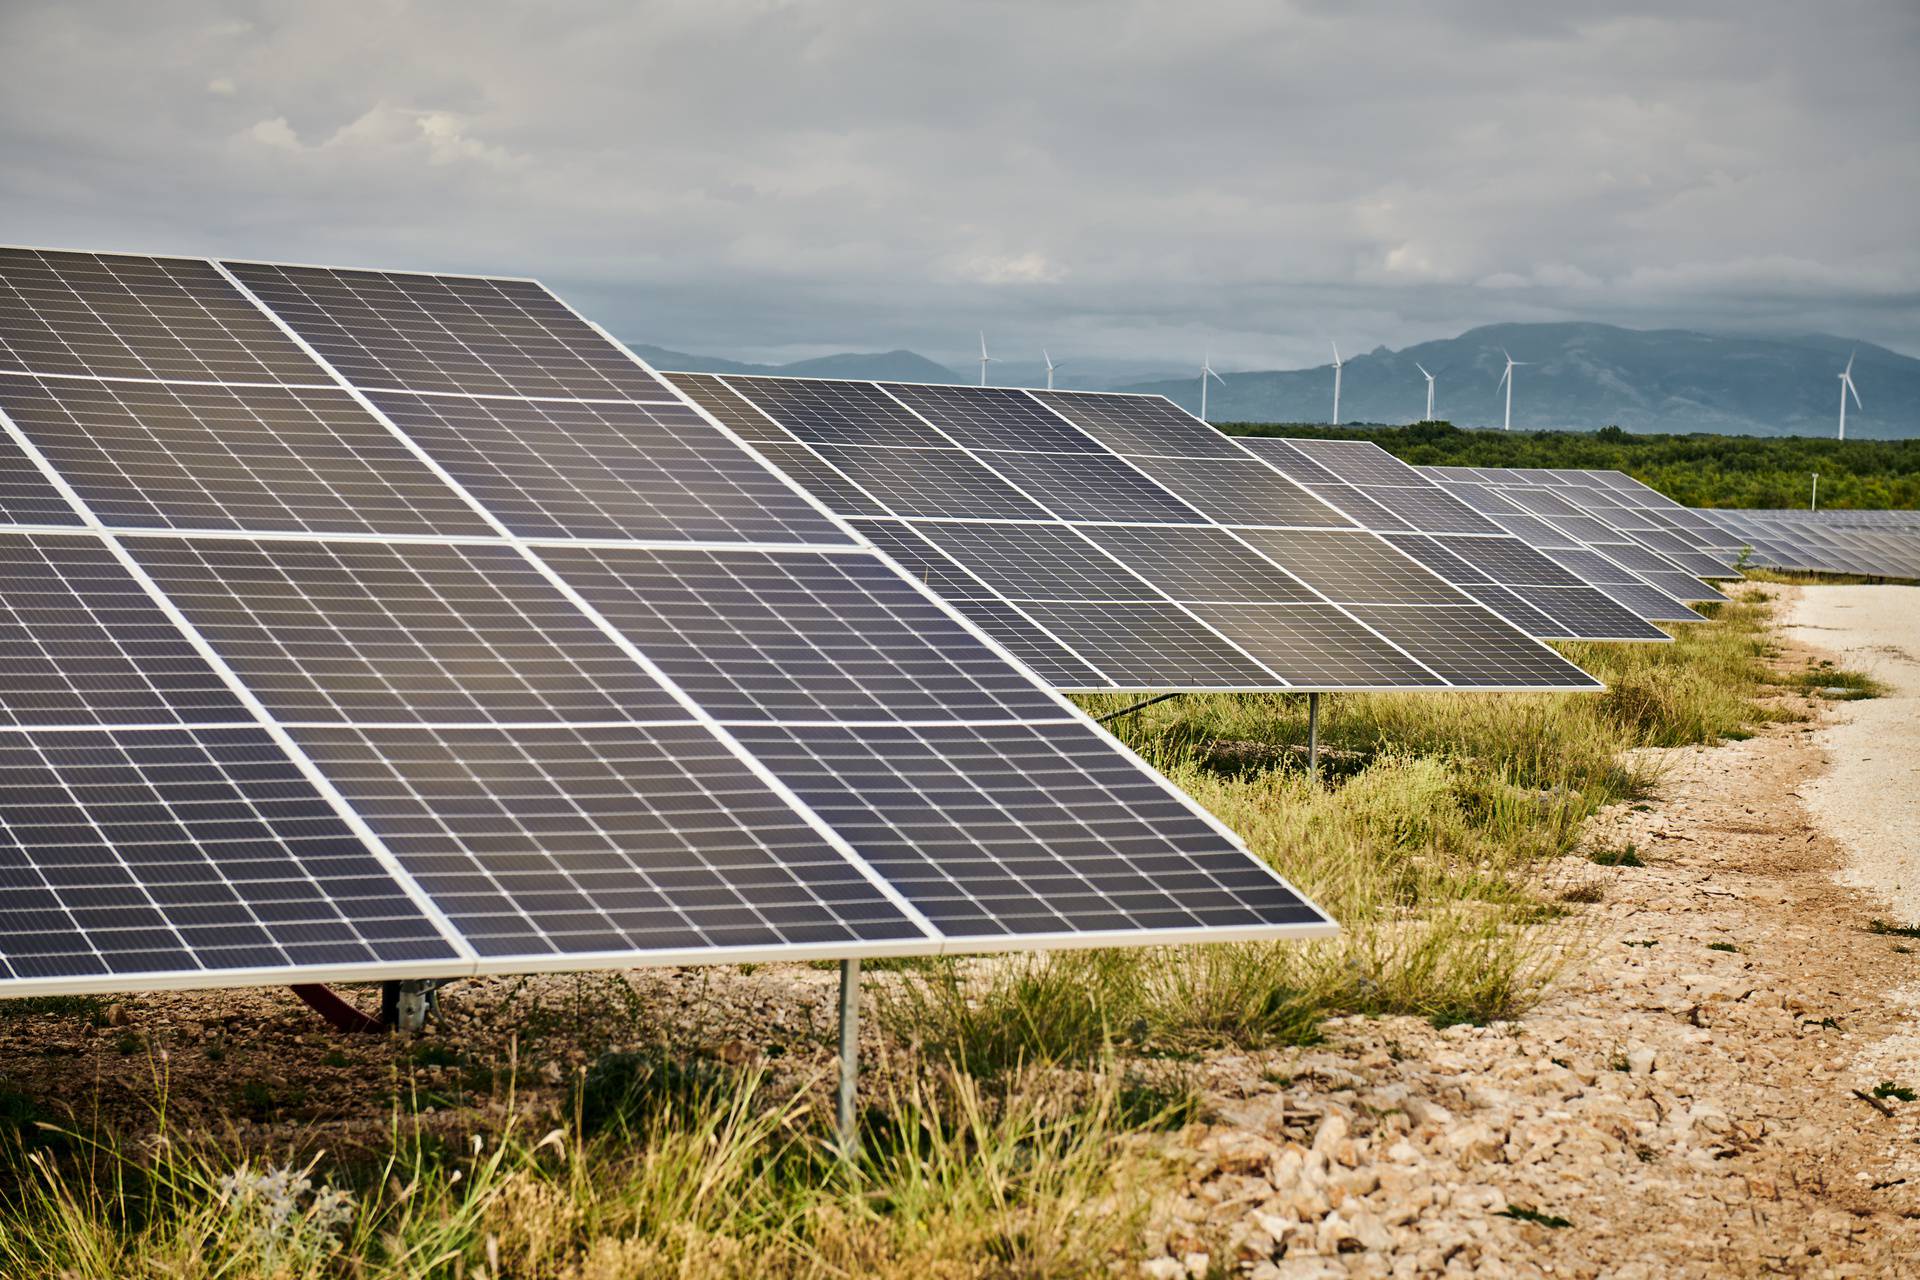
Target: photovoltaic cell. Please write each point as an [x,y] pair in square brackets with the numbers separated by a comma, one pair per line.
[1052,661]
[1241,491]
[1468,649]
[560,468]
[377,632]
[142,853]
[1359,508]
[1028,830]
[124,316]
[1036,562]
[1315,646]
[1353,567]
[81,642]
[819,411]
[1591,614]
[1136,425]
[411,332]
[753,636]
[1148,645]
[931,482]
[569,841]
[267,459]
[26,497]
[1090,486]
[1198,564]
[924,562]
[995,418]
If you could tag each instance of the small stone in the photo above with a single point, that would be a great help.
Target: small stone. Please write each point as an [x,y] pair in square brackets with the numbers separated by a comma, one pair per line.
[117,1015]
[1641,1061]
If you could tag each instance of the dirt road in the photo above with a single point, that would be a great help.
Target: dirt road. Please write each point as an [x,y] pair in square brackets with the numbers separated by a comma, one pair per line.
[1715,1095]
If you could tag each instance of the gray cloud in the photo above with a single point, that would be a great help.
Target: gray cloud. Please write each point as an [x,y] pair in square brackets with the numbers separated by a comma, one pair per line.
[1120,179]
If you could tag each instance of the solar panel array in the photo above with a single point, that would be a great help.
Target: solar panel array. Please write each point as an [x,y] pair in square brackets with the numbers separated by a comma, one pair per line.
[1875,544]
[1116,542]
[1633,524]
[363,624]
[1533,590]
[1611,533]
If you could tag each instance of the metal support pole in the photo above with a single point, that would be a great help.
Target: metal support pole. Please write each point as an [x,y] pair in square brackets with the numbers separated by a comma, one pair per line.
[1139,706]
[1813,504]
[1313,737]
[849,1056]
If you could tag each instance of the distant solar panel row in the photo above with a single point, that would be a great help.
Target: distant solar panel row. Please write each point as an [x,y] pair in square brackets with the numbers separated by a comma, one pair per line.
[1877,544]
[363,624]
[1115,542]
[1469,549]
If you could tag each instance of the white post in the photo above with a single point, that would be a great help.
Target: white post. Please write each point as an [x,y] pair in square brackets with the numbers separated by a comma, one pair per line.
[849,1056]
[1815,504]
[1313,737]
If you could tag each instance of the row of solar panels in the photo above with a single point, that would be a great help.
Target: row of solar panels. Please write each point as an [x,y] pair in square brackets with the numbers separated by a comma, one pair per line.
[365,625]
[1875,544]
[359,624]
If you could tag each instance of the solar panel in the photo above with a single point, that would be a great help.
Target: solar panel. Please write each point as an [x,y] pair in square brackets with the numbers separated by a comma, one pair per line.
[410,332]
[1463,645]
[180,456]
[622,840]
[1470,539]
[755,636]
[81,642]
[185,855]
[368,631]
[387,654]
[124,316]
[1009,829]
[1095,527]
[563,468]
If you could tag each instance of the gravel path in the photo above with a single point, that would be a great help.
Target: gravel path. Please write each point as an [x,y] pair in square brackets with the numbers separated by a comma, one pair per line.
[1869,799]
[1689,1105]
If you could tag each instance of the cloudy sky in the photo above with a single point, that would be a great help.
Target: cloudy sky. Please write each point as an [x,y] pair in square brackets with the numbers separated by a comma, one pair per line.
[1131,179]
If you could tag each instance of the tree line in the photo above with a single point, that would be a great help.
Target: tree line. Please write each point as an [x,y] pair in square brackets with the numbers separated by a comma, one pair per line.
[1697,470]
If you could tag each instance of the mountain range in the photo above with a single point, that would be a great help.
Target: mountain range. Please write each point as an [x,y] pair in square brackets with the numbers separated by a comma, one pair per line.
[1573,376]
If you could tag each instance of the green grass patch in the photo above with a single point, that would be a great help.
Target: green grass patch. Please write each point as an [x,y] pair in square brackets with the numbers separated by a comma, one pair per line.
[1888,1089]
[1625,856]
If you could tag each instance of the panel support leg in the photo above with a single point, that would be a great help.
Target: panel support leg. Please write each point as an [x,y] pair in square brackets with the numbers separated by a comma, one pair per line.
[404,1006]
[849,1057]
[1313,737]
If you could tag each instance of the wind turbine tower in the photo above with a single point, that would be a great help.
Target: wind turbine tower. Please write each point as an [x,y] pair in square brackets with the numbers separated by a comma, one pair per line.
[985,359]
[1206,371]
[1429,377]
[1336,380]
[1846,385]
[1506,379]
[1051,366]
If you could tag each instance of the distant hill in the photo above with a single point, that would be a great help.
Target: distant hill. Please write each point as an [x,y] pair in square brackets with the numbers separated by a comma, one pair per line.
[893,366]
[1586,376]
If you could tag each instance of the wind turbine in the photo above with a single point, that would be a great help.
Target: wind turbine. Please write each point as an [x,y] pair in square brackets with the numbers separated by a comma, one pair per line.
[1429,377]
[985,359]
[1846,385]
[1051,366]
[1206,371]
[1506,379]
[1336,380]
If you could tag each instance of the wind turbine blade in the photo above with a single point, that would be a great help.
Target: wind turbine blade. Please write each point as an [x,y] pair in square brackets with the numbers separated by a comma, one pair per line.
[1336,350]
[1850,356]
[1423,371]
[1856,394]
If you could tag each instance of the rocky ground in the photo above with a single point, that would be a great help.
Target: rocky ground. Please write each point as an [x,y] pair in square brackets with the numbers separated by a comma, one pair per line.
[1707,1097]
[1713,1091]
